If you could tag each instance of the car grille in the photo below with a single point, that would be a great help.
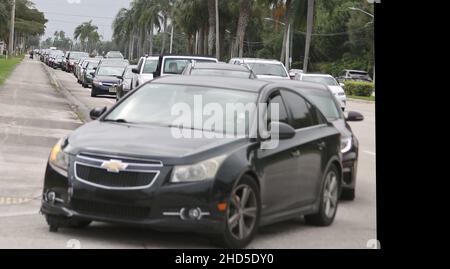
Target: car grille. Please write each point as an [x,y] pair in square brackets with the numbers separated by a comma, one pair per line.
[130,173]
[109,210]
[121,179]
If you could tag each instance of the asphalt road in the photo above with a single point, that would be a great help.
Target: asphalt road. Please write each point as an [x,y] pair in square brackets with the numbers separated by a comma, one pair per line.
[34,114]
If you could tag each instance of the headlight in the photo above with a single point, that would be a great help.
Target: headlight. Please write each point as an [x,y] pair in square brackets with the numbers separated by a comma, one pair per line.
[346,144]
[197,172]
[59,159]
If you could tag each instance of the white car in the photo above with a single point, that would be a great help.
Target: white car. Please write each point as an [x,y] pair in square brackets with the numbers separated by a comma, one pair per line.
[151,67]
[335,87]
[263,68]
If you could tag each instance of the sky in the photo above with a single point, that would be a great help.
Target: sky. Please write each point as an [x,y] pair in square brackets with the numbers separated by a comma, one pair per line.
[67,14]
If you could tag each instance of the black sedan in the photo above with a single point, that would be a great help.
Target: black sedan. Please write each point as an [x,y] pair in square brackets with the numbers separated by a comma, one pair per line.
[106,78]
[331,109]
[128,166]
[218,69]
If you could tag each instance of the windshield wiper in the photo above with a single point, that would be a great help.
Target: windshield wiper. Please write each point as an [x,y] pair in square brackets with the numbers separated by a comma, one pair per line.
[117,120]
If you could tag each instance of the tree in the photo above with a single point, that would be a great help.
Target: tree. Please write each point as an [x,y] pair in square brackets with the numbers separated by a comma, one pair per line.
[87,32]
[244,14]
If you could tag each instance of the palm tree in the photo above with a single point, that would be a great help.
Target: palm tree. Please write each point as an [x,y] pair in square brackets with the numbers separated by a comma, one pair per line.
[122,29]
[309,29]
[87,31]
[212,25]
[244,14]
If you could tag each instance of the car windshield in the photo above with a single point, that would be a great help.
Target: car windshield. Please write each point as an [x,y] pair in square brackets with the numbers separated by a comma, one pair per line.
[220,73]
[268,69]
[150,66]
[326,104]
[153,104]
[176,66]
[78,55]
[114,55]
[110,71]
[319,79]
[92,65]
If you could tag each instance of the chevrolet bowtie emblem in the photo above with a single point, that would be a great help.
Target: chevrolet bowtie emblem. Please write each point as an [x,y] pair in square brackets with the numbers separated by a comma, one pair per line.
[114,166]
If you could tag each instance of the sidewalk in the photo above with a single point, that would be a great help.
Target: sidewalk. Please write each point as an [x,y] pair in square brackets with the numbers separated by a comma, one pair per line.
[33,117]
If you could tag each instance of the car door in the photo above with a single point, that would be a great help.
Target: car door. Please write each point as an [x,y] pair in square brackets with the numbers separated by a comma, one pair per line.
[278,168]
[311,146]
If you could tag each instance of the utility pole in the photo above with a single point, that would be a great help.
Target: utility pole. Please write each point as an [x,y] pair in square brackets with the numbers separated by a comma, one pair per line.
[288,43]
[309,29]
[11,31]
[171,40]
[217,31]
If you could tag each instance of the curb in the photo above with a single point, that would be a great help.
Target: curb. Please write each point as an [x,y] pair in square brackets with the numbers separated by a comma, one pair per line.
[80,109]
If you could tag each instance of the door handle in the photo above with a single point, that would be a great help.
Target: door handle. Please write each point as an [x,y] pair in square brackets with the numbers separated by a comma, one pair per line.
[321,145]
[296,153]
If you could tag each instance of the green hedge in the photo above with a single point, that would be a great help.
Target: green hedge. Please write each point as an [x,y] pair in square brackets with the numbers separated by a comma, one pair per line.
[356,88]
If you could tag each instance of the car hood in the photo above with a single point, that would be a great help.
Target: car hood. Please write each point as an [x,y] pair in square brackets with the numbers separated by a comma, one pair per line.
[336,89]
[272,77]
[110,79]
[146,141]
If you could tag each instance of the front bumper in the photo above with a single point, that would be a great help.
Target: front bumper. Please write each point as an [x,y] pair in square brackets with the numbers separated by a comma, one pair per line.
[158,207]
[102,89]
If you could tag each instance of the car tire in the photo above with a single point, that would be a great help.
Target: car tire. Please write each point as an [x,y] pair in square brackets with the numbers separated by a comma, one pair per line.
[55,222]
[232,237]
[329,199]
[93,92]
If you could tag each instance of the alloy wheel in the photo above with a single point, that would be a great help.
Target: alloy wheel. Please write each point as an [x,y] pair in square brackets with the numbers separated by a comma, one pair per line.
[242,212]
[331,194]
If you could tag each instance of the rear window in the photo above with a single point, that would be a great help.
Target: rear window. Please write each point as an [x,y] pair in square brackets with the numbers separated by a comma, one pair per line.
[176,66]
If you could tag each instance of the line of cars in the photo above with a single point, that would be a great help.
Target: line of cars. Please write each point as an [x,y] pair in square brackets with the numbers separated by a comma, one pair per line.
[125,166]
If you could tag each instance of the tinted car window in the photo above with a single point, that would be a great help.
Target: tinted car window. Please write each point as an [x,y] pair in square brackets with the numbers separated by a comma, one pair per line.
[321,79]
[302,115]
[175,66]
[283,116]
[150,66]
[267,69]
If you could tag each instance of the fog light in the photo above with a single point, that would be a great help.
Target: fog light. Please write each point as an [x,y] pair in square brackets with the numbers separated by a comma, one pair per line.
[51,196]
[194,213]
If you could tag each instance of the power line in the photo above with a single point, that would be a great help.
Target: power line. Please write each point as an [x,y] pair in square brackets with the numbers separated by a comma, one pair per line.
[76,15]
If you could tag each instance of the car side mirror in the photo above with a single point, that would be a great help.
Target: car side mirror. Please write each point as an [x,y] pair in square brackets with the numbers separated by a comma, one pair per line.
[281,130]
[97,112]
[135,70]
[354,116]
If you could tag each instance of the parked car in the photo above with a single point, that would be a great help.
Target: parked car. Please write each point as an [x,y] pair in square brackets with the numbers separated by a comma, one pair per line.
[151,67]
[82,72]
[335,87]
[355,75]
[89,74]
[52,57]
[114,55]
[263,68]
[330,108]
[125,82]
[107,77]
[72,58]
[218,69]
[139,173]
[77,71]
[57,63]
[64,61]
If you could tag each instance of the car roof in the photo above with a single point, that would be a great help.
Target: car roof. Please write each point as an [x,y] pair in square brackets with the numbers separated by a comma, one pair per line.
[300,85]
[243,84]
[257,60]
[316,75]
[221,66]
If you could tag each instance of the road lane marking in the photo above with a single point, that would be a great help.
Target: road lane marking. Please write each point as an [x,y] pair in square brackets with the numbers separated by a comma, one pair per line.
[14,200]
[370,153]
